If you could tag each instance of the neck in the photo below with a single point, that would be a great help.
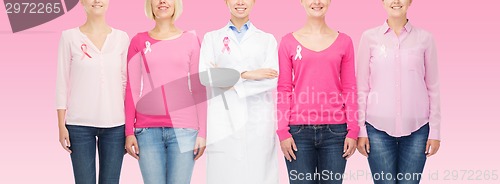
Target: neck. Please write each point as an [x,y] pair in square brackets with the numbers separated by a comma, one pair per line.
[316,25]
[163,26]
[397,23]
[239,22]
[95,23]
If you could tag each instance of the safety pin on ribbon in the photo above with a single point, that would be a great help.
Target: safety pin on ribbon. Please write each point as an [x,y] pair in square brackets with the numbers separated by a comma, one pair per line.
[226,45]
[148,47]
[84,50]
[299,53]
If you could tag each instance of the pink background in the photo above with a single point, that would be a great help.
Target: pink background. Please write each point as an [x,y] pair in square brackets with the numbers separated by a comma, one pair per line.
[466,34]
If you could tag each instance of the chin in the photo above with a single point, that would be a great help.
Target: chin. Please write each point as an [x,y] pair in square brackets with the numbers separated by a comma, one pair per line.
[164,16]
[100,13]
[316,15]
[240,16]
[397,15]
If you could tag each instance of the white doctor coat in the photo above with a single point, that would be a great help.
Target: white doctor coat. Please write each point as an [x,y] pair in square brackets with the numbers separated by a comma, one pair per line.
[241,140]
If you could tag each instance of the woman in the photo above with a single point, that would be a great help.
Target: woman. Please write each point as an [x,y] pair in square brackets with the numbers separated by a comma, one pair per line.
[399,97]
[91,78]
[241,121]
[317,99]
[164,98]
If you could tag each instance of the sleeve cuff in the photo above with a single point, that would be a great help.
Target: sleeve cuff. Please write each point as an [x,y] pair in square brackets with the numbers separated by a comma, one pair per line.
[353,134]
[434,135]
[283,134]
[202,134]
[362,131]
[129,132]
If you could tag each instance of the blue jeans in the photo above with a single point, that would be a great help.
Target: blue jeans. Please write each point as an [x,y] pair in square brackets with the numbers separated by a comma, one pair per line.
[398,160]
[166,154]
[319,155]
[111,148]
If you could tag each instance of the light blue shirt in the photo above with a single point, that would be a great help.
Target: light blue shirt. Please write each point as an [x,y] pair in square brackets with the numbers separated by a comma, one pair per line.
[240,33]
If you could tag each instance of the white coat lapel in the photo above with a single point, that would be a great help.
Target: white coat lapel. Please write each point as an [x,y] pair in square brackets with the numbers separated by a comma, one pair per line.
[251,31]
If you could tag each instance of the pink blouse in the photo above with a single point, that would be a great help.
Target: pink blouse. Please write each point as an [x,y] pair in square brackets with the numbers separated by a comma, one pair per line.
[398,82]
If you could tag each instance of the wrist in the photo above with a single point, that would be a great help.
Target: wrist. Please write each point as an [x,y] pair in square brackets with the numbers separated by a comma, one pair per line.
[243,75]
[61,125]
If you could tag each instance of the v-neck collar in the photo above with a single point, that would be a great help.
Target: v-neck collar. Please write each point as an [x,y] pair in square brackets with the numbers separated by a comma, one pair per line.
[89,42]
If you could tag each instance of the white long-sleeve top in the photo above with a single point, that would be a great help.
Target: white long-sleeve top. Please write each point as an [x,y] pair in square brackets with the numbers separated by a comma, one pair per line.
[91,82]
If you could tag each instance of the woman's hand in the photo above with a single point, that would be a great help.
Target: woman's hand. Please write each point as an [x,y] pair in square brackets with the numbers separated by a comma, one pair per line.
[199,147]
[364,146]
[260,74]
[432,147]
[132,147]
[288,147]
[349,147]
[64,139]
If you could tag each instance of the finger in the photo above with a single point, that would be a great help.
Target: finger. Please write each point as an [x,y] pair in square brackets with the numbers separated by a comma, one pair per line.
[429,152]
[133,150]
[129,150]
[136,148]
[285,153]
[346,145]
[292,153]
[367,144]
[433,150]
[64,144]
[427,148]
[200,153]
[134,153]
[294,146]
[213,64]
[350,151]
[347,149]
[362,150]
[195,149]
[68,145]
[272,70]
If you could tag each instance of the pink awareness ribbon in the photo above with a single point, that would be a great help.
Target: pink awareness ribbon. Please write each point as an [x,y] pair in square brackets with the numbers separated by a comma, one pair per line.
[226,45]
[84,50]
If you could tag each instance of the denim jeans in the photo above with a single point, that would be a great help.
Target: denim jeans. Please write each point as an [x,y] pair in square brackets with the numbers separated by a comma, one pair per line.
[166,154]
[397,160]
[111,148]
[319,155]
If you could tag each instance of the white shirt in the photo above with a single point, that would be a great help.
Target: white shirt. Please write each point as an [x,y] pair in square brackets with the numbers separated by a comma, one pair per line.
[91,82]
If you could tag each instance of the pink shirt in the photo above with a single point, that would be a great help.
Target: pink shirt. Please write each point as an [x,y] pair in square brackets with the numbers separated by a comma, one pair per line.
[316,87]
[163,88]
[90,81]
[398,81]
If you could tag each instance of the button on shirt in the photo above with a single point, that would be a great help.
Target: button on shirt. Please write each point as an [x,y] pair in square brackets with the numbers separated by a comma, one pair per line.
[398,81]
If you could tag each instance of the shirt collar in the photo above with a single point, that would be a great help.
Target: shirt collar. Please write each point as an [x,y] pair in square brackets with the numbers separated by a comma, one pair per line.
[245,26]
[385,27]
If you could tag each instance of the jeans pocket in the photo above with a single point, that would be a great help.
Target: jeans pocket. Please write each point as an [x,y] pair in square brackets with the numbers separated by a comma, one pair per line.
[295,129]
[139,131]
[337,131]
[190,130]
